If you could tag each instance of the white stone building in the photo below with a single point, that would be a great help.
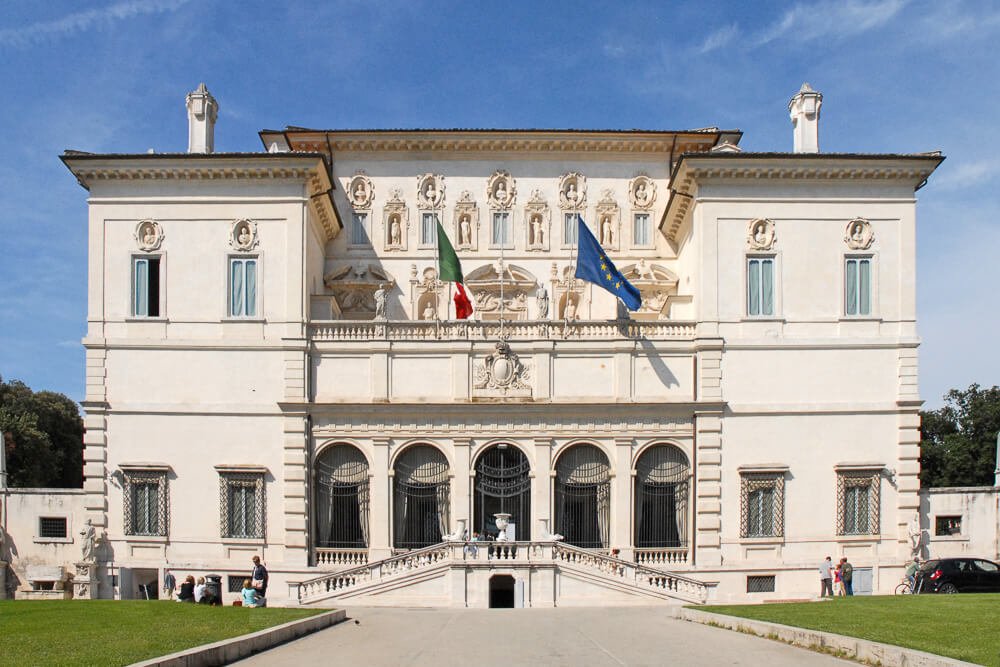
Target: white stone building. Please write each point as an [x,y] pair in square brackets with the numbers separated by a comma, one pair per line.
[274,368]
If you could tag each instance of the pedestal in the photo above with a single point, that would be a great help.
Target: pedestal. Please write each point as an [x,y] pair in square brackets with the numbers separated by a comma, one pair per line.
[85,583]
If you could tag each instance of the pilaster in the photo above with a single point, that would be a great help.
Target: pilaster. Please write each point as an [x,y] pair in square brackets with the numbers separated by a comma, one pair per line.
[622,504]
[95,439]
[708,489]
[380,488]
[541,509]
[461,483]
[294,473]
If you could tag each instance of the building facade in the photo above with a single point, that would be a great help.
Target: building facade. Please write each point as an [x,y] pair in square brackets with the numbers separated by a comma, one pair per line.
[274,366]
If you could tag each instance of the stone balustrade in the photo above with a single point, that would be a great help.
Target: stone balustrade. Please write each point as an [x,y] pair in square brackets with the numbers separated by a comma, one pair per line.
[672,556]
[330,558]
[472,330]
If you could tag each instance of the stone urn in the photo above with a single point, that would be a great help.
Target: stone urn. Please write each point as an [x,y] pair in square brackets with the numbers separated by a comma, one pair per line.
[502,520]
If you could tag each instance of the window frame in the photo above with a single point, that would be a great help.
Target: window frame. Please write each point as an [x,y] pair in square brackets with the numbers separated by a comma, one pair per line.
[436,218]
[568,230]
[866,478]
[872,286]
[507,243]
[160,259]
[146,476]
[756,478]
[366,228]
[775,313]
[650,243]
[65,539]
[258,300]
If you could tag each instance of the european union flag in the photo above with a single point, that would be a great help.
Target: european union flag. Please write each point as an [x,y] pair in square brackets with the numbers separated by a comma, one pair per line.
[593,265]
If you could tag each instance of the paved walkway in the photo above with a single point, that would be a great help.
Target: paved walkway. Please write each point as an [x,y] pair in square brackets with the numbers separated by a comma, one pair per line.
[506,637]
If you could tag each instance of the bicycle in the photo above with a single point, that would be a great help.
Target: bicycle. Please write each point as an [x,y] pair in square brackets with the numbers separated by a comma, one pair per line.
[905,587]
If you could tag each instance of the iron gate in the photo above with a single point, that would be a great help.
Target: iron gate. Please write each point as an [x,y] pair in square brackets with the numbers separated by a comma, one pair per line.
[341,498]
[503,484]
[583,497]
[661,497]
[421,498]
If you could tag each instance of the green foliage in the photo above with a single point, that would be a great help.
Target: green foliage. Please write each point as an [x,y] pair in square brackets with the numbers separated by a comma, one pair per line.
[121,632]
[958,442]
[964,627]
[44,437]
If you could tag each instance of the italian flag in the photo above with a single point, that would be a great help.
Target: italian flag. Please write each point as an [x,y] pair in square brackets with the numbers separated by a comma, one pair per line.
[450,270]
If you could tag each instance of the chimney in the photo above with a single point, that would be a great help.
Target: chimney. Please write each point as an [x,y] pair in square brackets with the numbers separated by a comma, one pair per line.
[804,110]
[202,111]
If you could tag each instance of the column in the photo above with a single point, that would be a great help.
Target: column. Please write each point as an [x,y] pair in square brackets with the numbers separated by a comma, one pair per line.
[541,484]
[461,485]
[380,528]
[621,506]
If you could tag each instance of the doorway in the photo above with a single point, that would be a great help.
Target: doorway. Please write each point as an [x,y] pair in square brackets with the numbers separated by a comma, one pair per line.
[501,591]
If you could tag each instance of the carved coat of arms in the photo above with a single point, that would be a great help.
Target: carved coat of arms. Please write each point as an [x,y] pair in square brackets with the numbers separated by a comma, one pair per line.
[502,374]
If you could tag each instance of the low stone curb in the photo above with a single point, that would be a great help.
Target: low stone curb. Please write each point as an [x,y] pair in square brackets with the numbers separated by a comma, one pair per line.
[236,648]
[862,650]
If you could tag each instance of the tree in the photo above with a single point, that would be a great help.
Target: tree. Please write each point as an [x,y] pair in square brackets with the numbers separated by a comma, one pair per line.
[958,441]
[43,434]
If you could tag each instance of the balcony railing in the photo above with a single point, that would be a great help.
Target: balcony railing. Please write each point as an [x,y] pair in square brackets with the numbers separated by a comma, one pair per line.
[471,330]
[332,558]
[659,557]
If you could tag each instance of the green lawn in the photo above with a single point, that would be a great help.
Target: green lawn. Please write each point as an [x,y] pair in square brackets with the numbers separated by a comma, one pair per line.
[108,632]
[966,627]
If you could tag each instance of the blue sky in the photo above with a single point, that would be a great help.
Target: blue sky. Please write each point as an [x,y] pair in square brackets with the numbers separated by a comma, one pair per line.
[897,76]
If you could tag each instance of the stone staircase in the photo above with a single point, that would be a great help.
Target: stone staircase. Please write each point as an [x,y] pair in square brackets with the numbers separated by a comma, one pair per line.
[588,567]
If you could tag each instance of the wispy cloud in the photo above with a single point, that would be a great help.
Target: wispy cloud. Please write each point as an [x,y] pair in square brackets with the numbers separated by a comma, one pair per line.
[830,19]
[76,22]
[968,174]
[720,38]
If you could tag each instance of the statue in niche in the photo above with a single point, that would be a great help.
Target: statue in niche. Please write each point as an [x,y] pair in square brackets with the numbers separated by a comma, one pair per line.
[359,194]
[569,312]
[149,235]
[244,237]
[606,237]
[381,298]
[537,233]
[430,312]
[395,231]
[89,542]
[915,534]
[542,301]
[641,196]
[760,233]
[858,232]
[465,230]
[431,193]
[571,194]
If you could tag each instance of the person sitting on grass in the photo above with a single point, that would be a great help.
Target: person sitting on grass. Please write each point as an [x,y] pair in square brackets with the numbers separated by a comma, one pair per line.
[186,593]
[249,594]
[199,590]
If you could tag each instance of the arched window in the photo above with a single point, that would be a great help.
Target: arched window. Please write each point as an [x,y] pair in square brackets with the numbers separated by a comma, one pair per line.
[503,484]
[661,497]
[583,497]
[341,492]
[422,498]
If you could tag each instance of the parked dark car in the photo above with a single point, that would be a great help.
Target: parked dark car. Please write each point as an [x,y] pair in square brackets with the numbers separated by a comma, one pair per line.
[958,575]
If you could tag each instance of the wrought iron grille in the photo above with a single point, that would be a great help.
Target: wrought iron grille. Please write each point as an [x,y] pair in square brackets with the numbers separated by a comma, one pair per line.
[503,484]
[763,583]
[234,582]
[762,505]
[858,502]
[421,498]
[241,504]
[52,527]
[583,497]
[146,502]
[342,498]
[661,498]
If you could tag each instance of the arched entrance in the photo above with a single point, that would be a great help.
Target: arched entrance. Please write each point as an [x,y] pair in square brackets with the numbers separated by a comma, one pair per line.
[583,497]
[341,498]
[421,498]
[661,497]
[503,484]
[501,591]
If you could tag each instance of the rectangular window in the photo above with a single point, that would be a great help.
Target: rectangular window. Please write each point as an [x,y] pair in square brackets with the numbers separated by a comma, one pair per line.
[569,229]
[858,286]
[945,526]
[50,527]
[428,229]
[234,582]
[359,229]
[762,504]
[760,286]
[858,502]
[145,502]
[242,287]
[146,286]
[640,229]
[241,500]
[760,583]
[501,229]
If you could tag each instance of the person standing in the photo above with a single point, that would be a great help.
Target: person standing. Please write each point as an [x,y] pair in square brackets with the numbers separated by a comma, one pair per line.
[847,574]
[838,582]
[169,584]
[258,577]
[826,577]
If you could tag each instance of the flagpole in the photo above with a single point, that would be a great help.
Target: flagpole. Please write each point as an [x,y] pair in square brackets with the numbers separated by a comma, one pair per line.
[503,242]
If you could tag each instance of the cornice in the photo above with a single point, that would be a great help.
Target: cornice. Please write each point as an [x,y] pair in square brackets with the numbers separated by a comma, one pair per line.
[694,170]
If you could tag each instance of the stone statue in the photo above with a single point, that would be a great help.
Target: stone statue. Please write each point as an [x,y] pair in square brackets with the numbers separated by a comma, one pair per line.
[606,239]
[381,296]
[641,195]
[149,235]
[501,194]
[569,312]
[571,193]
[89,545]
[542,301]
[536,230]
[465,230]
[431,193]
[916,535]
[760,233]
[244,238]
[359,193]
[395,234]
[430,312]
